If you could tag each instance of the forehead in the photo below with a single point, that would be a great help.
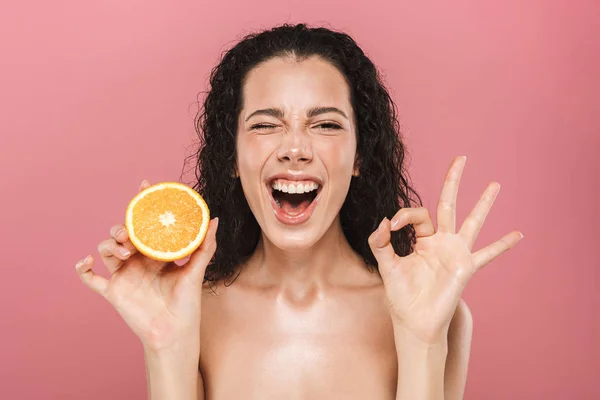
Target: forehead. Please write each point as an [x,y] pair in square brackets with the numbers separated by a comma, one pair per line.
[295,85]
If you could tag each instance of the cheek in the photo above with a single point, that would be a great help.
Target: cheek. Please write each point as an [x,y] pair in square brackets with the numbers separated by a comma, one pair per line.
[252,153]
[338,157]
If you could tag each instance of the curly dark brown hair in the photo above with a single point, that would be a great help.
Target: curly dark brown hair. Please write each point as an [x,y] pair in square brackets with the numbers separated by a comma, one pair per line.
[382,187]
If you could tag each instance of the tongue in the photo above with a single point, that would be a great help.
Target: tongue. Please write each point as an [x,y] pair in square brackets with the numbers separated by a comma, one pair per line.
[294,204]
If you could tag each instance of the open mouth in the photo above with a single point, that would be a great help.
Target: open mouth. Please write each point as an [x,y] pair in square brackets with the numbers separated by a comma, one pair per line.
[294,198]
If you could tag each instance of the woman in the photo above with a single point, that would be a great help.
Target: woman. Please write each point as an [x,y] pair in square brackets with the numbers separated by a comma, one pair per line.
[326,281]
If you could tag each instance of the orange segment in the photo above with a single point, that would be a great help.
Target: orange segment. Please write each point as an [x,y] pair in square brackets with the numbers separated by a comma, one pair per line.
[167,221]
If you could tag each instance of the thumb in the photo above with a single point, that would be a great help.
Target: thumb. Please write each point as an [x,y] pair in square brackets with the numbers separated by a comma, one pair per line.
[380,244]
[144,185]
[200,258]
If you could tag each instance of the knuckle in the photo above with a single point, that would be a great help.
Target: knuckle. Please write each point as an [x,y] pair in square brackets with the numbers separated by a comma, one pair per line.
[116,229]
[487,197]
[475,220]
[370,239]
[207,250]
[129,246]
[82,275]
[107,247]
[449,180]
[424,212]
[402,213]
[444,205]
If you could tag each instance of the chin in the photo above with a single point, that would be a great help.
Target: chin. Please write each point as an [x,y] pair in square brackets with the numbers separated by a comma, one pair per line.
[293,239]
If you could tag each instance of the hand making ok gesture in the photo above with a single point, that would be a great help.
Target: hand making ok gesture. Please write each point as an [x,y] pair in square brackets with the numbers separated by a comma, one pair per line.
[424,287]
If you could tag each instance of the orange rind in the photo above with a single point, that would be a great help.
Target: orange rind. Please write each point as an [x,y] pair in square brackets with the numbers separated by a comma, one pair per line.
[167,221]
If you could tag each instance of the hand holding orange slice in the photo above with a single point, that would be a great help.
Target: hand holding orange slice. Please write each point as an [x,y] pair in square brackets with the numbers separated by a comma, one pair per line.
[167,221]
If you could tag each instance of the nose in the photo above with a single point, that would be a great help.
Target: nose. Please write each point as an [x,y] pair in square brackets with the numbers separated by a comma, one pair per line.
[295,147]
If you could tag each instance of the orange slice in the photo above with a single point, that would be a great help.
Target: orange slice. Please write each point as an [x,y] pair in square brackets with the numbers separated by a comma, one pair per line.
[167,221]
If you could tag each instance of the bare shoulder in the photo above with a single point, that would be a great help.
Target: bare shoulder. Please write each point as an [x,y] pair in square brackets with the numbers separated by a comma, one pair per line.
[213,293]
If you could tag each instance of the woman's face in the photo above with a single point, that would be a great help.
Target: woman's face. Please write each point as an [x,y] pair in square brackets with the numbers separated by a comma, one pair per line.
[296,147]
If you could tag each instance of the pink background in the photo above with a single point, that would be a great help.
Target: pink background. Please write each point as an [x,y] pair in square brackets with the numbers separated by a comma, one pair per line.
[97,96]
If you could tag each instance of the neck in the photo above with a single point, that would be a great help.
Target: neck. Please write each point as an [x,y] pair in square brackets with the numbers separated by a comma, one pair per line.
[328,261]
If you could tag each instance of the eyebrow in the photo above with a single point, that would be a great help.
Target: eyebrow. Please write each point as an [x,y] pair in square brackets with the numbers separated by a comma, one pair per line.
[313,112]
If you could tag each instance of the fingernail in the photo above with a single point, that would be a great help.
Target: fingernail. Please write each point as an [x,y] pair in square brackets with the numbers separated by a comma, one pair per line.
[124,252]
[521,235]
[120,232]
[394,223]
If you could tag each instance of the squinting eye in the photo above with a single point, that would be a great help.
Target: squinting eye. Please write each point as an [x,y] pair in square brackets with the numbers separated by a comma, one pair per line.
[328,126]
[325,126]
[261,126]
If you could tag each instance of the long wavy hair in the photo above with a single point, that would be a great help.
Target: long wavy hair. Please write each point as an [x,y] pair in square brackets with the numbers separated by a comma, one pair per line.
[381,188]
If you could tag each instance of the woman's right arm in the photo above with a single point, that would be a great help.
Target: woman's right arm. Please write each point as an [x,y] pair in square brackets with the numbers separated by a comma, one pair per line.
[173,375]
[160,302]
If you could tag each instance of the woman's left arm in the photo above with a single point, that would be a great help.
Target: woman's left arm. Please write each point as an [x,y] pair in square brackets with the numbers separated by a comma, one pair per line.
[432,328]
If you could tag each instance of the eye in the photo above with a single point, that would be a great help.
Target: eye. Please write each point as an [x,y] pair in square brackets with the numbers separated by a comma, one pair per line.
[329,126]
[260,126]
[325,126]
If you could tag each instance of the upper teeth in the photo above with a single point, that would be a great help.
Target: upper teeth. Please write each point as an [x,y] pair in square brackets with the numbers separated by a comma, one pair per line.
[294,187]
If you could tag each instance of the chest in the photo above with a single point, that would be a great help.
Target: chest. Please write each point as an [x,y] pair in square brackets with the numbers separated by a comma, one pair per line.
[258,346]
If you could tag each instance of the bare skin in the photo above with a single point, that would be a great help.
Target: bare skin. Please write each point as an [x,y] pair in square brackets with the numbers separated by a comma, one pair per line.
[332,339]
[329,339]
[306,318]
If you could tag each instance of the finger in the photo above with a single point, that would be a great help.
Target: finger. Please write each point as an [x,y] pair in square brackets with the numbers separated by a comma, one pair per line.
[419,218]
[200,258]
[113,255]
[380,244]
[114,252]
[473,223]
[488,253]
[446,207]
[144,185]
[97,283]
[121,236]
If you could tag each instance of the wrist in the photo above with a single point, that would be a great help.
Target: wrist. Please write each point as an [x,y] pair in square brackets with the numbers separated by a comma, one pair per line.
[421,366]
[407,337]
[164,334]
[410,347]
[168,339]
[172,373]
[174,349]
